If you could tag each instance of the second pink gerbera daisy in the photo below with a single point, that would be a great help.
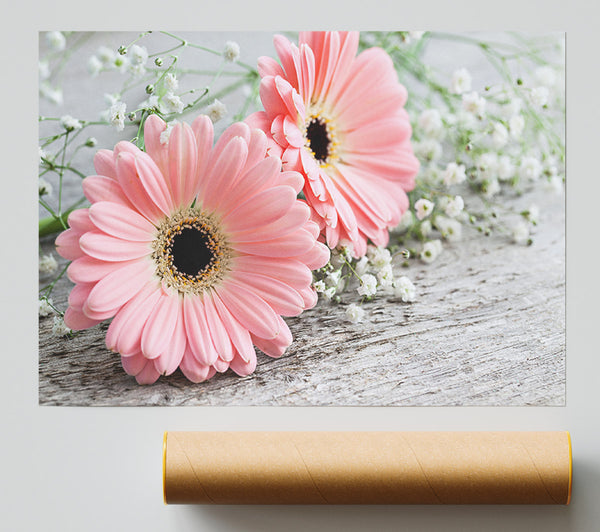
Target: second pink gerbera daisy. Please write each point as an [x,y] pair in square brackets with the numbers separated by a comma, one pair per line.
[339,119]
[195,252]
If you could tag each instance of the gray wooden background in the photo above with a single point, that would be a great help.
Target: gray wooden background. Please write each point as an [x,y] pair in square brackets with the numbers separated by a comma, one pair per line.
[487,327]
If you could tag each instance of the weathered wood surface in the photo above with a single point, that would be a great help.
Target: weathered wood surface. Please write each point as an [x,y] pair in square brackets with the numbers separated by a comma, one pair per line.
[487,328]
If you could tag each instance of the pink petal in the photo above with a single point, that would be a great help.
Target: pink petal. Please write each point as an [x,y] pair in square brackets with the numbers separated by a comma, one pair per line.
[295,218]
[298,243]
[134,364]
[275,347]
[133,188]
[271,99]
[263,208]
[105,247]
[198,333]
[117,288]
[243,367]
[249,309]
[159,328]
[283,48]
[222,173]
[125,330]
[148,375]
[221,365]
[267,66]
[292,179]
[263,175]
[183,160]
[170,359]
[290,271]
[154,183]
[317,257]
[257,150]
[80,220]
[77,320]
[194,370]
[121,222]
[217,330]
[239,336]
[104,163]
[159,151]
[280,296]
[67,244]
[102,188]
[79,295]
[203,133]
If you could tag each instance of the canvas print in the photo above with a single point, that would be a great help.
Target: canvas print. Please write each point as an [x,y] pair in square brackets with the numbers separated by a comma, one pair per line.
[308,218]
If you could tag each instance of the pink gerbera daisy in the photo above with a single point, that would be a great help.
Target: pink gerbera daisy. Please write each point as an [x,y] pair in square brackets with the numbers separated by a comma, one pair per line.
[339,119]
[195,251]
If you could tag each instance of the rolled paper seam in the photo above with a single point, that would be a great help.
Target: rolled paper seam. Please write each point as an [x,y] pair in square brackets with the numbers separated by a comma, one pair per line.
[367,468]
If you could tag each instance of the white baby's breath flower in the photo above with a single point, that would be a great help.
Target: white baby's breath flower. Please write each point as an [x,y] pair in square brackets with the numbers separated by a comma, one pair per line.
[172,103]
[329,293]
[430,123]
[431,250]
[368,285]
[520,233]
[379,256]
[354,313]
[337,259]
[530,168]
[94,66]
[487,165]
[45,307]
[461,81]
[56,40]
[319,286]
[232,51]
[121,63]
[491,187]
[505,168]
[428,149]
[425,228]
[546,76]
[171,82]
[454,207]
[473,103]
[70,123]
[138,54]
[59,328]
[361,266]
[333,278]
[499,135]
[512,108]
[533,213]
[454,174]
[405,289]
[416,35]
[166,133]
[538,96]
[450,228]
[216,110]
[423,208]
[385,276]
[516,125]
[117,115]
[53,95]
[44,70]
[405,222]
[554,184]
[44,188]
[47,264]
[106,56]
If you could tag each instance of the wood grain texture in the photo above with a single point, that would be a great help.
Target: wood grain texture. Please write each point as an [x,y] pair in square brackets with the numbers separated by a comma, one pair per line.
[487,328]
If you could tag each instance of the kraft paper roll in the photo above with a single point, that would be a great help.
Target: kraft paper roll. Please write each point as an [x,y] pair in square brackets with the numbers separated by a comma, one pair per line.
[367,467]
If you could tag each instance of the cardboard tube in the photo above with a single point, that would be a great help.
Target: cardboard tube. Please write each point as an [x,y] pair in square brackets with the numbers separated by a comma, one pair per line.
[367,467]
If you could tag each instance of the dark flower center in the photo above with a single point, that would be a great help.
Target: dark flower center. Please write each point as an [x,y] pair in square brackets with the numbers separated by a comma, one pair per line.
[319,142]
[192,250]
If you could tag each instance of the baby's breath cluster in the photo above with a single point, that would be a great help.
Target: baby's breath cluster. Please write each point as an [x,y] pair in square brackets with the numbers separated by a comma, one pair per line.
[364,278]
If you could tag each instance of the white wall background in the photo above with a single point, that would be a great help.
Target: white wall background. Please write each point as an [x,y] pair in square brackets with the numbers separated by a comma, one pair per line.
[99,469]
